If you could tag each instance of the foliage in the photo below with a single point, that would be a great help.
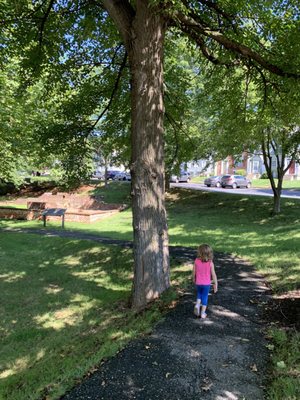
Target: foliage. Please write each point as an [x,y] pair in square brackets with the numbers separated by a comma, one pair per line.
[241,172]
[264,176]
[248,116]
[16,145]
[182,137]
[83,93]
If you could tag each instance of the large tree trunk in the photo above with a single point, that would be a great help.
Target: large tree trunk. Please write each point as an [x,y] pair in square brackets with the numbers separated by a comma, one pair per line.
[142,29]
[151,254]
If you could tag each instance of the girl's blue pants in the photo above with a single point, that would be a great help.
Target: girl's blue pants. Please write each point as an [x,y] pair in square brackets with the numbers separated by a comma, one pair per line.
[202,293]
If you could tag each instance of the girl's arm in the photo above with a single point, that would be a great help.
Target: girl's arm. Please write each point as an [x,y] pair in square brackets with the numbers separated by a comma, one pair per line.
[214,278]
[194,272]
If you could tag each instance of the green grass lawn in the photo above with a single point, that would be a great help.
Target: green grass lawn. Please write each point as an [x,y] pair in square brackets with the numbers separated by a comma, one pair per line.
[12,205]
[64,307]
[68,289]
[241,225]
[237,224]
[115,192]
[287,184]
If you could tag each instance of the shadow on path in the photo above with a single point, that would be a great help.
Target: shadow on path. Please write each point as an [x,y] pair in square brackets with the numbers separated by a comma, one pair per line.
[220,358]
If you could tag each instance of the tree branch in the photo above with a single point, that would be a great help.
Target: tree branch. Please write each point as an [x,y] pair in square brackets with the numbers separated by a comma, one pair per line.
[115,88]
[214,6]
[209,55]
[43,22]
[194,28]
[122,14]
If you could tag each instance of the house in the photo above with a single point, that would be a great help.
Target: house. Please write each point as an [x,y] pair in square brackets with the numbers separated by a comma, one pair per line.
[253,166]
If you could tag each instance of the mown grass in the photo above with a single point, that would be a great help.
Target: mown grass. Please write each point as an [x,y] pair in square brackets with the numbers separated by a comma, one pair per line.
[12,205]
[63,309]
[114,192]
[240,225]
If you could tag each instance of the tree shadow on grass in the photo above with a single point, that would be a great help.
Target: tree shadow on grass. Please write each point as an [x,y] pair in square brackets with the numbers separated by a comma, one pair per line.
[64,309]
[58,301]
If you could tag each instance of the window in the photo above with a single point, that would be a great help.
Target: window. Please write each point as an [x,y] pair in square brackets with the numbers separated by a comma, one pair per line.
[255,167]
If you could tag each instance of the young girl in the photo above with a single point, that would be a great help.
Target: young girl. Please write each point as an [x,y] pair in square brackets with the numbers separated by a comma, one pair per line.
[203,271]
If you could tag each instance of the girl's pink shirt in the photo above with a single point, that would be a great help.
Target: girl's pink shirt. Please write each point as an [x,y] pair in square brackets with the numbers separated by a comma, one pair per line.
[202,272]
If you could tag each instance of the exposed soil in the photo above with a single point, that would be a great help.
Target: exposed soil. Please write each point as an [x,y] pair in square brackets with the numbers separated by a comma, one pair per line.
[285,310]
[37,189]
[34,190]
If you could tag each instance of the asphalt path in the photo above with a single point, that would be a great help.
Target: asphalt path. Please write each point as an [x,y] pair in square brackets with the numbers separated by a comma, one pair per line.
[223,357]
[291,193]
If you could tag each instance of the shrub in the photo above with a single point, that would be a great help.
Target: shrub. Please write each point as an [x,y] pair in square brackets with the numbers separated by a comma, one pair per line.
[241,172]
[7,187]
[264,176]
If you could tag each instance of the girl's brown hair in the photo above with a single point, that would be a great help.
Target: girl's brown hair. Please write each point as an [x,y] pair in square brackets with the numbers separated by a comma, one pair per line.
[205,252]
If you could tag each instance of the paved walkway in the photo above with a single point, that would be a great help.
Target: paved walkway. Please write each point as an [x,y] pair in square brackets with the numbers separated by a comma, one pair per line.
[220,358]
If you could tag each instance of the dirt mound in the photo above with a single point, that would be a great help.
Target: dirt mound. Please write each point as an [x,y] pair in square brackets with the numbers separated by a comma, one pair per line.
[37,189]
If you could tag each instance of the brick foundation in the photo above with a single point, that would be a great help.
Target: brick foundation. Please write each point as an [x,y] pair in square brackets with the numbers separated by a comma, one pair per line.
[79,208]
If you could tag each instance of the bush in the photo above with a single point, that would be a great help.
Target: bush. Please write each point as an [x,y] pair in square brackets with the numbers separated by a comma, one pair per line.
[7,187]
[264,176]
[240,172]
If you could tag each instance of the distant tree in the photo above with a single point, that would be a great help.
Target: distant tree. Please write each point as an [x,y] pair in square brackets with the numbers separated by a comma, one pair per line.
[246,114]
[282,144]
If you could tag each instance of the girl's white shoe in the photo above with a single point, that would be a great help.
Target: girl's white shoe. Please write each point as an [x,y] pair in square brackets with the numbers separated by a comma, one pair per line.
[197,311]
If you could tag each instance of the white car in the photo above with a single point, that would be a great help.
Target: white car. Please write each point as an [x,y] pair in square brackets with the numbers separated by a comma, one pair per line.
[98,175]
[183,177]
[122,176]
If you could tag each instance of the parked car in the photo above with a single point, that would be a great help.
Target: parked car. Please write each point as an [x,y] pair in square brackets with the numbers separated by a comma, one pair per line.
[111,174]
[98,175]
[183,177]
[122,176]
[213,181]
[235,181]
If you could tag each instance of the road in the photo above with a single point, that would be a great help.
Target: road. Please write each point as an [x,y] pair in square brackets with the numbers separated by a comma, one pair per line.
[291,194]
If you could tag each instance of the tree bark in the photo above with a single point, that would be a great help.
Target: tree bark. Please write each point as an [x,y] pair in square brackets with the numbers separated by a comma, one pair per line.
[151,253]
[276,203]
[143,35]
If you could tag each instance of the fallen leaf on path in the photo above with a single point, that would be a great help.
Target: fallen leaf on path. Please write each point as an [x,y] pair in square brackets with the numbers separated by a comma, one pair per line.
[206,387]
[253,368]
